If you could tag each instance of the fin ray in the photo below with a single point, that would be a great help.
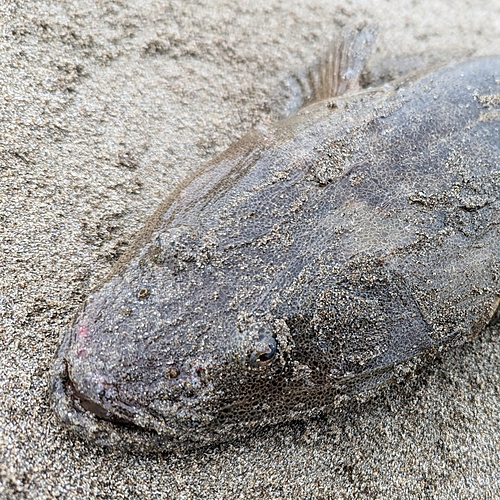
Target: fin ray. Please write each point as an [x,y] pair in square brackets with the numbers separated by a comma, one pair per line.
[336,72]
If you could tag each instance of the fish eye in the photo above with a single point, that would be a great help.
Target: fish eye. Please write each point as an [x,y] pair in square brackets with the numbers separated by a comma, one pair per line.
[264,352]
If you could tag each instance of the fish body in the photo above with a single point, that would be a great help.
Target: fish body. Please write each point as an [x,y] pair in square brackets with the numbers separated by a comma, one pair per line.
[315,259]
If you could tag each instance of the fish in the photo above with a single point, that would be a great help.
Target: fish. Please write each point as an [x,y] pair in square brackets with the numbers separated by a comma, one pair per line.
[318,259]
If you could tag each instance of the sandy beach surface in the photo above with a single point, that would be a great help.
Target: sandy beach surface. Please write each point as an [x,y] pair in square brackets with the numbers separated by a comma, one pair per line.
[105,106]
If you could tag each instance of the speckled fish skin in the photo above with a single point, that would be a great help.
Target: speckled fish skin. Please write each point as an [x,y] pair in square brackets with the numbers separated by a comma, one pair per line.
[316,259]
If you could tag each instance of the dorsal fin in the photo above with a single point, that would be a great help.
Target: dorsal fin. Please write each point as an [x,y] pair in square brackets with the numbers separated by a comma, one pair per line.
[336,72]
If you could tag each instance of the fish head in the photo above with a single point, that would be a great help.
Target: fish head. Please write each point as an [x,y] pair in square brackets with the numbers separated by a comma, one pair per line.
[195,344]
[296,269]
[179,343]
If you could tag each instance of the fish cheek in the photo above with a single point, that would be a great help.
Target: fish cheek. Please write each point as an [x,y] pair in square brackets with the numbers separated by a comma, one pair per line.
[365,322]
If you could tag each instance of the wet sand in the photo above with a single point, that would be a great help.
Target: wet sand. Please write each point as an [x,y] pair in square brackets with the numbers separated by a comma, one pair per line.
[104,108]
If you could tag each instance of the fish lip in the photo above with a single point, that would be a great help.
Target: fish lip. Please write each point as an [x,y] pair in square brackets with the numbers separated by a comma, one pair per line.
[111,432]
[67,405]
[92,428]
[66,396]
[91,406]
[62,402]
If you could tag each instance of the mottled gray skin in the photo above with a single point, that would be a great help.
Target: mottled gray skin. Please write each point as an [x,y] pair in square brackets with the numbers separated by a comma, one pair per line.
[313,260]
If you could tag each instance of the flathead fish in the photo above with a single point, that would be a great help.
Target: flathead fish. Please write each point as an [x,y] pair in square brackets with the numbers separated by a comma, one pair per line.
[314,260]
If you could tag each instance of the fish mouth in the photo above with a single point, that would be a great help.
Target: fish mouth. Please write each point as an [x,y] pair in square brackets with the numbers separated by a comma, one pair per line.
[126,429]
[93,423]
[92,407]
[88,420]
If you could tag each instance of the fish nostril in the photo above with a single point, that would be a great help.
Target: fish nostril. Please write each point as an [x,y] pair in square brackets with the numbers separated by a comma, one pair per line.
[172,372]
